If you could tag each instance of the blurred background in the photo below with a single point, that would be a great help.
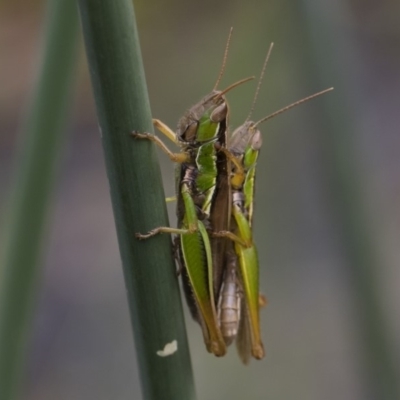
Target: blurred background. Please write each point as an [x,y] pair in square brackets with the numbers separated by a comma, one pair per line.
[327,217]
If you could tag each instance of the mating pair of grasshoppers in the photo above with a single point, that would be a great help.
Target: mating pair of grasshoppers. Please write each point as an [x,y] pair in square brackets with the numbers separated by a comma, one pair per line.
[215,195]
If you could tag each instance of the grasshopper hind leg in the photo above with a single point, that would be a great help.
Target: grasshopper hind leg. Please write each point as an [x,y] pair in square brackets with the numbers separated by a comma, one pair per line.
[163,229]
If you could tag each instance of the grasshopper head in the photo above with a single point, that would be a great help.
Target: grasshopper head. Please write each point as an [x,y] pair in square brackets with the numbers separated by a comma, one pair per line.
[212,107]
[209,112]
[246,136]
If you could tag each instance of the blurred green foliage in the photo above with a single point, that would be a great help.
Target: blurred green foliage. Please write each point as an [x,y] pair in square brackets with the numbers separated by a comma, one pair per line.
[30,204]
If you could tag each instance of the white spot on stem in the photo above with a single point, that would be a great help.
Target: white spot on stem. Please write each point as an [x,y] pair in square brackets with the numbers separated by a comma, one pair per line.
[169,348]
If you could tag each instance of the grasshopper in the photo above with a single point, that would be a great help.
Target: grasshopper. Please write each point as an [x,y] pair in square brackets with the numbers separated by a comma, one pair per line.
[239,299]
[202,182]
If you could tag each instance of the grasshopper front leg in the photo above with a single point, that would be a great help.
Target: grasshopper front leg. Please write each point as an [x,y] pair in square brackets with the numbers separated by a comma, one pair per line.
[174,157]
[170,134]
[165,130]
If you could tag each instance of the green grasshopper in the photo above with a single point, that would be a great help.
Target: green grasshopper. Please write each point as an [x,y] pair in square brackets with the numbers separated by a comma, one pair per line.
[239,300]
[202,190]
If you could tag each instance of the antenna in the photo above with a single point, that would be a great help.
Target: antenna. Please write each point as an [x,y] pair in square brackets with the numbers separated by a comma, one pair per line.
[260,81]
[221,72]
[282,110]
[230,87]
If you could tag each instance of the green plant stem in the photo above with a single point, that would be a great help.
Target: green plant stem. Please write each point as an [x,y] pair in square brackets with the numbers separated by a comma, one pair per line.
[37,164]
[120,91]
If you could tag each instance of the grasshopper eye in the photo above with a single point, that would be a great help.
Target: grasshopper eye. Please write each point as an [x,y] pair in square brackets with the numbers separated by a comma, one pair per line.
[256,141]
[189,134]
[220,112]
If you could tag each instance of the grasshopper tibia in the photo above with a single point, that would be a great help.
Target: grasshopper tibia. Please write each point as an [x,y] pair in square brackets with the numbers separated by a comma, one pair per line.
[165,229]
[175,157]
[233,237]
